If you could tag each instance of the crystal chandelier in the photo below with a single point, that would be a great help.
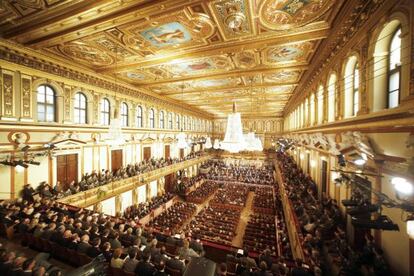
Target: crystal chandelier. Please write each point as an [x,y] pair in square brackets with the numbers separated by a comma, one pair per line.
[181,143]
[235,20]
[115,136]
[208,144]
[115,130]
[233,139]
[216,144]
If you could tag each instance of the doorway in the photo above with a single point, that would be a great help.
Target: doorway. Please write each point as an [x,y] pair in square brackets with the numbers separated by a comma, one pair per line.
[167,151]
[116,160]
[147,153]
[67,169]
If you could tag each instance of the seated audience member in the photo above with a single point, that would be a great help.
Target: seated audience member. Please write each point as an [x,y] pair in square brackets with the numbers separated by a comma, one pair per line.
[28,267]
[263,270]
[131,262]
[185,252]
[84,245]
[106,251]
[266,257]
[94,250]
[161,269]
[115,243]
[222,270]
[176,264]
[144,267]
[116,261]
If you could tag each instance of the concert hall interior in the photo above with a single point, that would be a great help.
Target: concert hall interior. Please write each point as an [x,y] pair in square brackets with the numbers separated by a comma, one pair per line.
[206,137]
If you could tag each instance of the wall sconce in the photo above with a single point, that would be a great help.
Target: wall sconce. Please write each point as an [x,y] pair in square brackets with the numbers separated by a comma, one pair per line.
[302,156]
[410,227]
[313,163]
[402,186]
[307,151]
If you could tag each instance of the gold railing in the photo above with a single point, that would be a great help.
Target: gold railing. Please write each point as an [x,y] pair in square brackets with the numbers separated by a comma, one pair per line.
[95,195]
[290,217]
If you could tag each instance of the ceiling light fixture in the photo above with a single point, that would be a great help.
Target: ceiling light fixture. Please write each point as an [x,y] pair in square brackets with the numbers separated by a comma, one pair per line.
[208,144]
[235,20]
[233,139]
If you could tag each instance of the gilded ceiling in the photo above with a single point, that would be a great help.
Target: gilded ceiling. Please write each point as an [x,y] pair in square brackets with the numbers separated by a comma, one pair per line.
[204,53]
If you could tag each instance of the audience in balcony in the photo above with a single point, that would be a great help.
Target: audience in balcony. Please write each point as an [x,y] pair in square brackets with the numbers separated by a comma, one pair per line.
[142,209]
[96,179]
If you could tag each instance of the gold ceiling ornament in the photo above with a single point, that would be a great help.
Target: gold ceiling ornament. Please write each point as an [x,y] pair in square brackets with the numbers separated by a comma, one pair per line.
[234,17]
[289,14]
[87,54]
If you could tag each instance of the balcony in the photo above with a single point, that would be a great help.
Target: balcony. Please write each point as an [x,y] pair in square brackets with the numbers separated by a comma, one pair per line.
[95,195]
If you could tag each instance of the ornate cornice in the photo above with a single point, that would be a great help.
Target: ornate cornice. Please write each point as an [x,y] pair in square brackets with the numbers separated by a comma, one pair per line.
[355,15]
[14,55]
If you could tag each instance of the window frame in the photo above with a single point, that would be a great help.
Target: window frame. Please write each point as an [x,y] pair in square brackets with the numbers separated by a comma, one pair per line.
[394,71]
[124,114]
[151,118]
[355,89]
[139,118]
[161,121]
[78,109]
[45,104]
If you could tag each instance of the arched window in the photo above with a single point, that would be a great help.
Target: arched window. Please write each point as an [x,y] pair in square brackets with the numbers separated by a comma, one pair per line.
[320,104]
[124,114]
[177,121]
[355,91]
[161,119]
[351,87]
[80,108]
[170,120]
[152,118]
[46,104]
[394,71]
[139,116]
[105,111]
[312,109]
[331,97]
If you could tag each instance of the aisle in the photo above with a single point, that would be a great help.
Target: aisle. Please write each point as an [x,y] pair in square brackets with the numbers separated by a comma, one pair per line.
[199,208]
[244,218]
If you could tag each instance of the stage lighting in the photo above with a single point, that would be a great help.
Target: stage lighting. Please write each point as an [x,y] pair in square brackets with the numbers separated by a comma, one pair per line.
[341,160]
[402,186]
[382,223]
[361,210]
[360,162]
[32,162]
[349,202]
[410,227]
[8,163]
[22,164]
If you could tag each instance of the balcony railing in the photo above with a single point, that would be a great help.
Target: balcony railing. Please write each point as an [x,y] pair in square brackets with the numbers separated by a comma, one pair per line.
[95,195]
[290,217]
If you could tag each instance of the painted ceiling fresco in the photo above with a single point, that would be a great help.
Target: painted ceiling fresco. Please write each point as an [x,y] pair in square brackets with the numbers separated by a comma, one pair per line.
[204,53]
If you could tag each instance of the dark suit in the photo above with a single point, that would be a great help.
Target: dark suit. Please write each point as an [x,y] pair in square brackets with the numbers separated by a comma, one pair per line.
[176,264]
[145,269]
[93,252]
[83,247]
